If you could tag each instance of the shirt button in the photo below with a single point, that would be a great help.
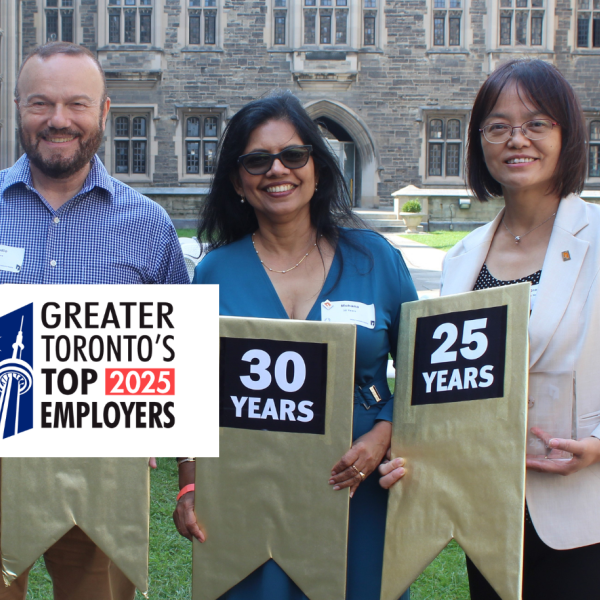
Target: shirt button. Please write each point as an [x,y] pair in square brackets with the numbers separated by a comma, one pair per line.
[52,263]
[56,220]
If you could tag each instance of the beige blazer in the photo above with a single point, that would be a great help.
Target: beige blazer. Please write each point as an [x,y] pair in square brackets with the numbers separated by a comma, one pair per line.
[564,334]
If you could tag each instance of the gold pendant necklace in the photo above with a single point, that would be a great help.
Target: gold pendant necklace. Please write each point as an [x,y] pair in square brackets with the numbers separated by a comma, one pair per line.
[286,270]
[518,238]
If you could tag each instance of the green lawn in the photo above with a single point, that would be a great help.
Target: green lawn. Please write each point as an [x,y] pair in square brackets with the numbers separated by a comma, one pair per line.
[186,232]
[171,555]
[443,240]
[445,578]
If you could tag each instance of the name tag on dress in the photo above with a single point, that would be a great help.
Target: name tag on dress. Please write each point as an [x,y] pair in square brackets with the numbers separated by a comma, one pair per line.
[11,259]
[346,311]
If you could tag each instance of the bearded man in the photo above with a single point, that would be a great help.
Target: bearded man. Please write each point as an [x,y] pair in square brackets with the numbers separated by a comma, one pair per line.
[65,220]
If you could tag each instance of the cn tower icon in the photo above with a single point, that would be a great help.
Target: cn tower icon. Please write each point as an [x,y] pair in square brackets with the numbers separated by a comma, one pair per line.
[16,379]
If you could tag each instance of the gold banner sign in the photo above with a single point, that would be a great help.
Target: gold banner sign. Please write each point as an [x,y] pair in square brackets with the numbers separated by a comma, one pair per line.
[286,398]
[108,498]
[460,421]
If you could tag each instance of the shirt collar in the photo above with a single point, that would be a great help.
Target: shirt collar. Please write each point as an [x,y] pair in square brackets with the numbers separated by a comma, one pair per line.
[18,173]
[98,176]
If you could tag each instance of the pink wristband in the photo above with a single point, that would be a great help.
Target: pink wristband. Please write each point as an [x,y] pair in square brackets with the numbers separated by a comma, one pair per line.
[190,487]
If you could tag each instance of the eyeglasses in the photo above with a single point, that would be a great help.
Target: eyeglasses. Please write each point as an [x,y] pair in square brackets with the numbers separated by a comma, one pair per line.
[498,133]
[259,163]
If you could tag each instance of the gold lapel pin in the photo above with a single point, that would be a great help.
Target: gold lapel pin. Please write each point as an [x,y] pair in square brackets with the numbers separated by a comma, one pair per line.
[566,255]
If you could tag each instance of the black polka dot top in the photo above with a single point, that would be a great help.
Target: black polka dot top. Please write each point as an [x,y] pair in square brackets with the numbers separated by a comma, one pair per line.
[487,280]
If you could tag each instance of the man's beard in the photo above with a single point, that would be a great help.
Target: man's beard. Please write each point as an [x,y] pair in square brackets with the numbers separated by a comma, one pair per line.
[59,167]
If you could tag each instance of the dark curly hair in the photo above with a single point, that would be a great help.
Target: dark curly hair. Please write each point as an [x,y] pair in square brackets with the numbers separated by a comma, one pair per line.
[544,86]
[224,219]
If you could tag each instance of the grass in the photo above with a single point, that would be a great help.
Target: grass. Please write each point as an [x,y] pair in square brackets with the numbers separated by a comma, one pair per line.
[186,232]
[171,556]
[445,578]
[442,240]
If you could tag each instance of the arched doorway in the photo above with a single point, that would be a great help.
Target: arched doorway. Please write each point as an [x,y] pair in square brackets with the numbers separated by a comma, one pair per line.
[343,146]
[346,127]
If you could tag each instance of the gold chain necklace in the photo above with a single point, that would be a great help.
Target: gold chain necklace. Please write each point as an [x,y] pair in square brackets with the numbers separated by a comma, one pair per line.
[518,238]
[286,270]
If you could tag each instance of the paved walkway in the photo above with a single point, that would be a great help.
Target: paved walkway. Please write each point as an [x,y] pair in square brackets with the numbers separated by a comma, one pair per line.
[423,262]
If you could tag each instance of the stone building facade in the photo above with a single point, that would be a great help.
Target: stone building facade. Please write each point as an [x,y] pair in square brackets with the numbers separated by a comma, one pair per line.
[9,59]
[392,81]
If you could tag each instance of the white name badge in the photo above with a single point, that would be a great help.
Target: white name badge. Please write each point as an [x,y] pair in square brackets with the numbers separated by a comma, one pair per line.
[11,259]
[533,295]
[346,311]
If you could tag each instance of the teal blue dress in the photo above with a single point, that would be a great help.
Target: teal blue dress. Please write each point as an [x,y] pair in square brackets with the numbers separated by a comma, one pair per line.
[367,269]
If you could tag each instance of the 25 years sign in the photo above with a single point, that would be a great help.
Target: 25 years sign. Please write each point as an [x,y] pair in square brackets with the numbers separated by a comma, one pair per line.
[108,370]
[460,356]
[460,422]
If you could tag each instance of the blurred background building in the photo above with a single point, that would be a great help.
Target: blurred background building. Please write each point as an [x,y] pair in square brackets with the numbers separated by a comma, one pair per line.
[390,81]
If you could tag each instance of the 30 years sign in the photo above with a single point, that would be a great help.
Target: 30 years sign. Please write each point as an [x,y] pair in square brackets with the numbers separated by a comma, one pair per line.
[273,385]
[286,401]
[108,370]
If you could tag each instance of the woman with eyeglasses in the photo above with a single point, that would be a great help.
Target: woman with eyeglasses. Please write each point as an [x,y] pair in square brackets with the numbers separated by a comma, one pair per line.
[527,144]
[284,241]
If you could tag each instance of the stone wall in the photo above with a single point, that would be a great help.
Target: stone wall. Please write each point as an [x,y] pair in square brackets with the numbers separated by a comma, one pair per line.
[386,96]
[448,210]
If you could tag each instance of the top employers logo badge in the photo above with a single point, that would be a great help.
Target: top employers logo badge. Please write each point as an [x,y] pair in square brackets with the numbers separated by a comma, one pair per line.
[97,371]
[16,371]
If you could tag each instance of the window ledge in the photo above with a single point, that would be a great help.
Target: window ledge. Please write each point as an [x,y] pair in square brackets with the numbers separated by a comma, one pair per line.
[327,48]
[447,51]
[131,179]
[203,106]
[202,49]
[587,51]
[521,50]
[168,191]
[130,48]
[445,181]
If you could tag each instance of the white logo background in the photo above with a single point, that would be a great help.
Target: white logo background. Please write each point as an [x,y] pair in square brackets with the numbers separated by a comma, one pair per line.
[120,371]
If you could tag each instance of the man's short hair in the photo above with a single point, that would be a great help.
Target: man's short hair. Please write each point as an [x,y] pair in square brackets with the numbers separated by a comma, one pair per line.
[52,49]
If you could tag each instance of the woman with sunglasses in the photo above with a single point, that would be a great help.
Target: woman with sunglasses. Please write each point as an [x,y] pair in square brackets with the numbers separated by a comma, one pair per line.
[527,144]
[284,242]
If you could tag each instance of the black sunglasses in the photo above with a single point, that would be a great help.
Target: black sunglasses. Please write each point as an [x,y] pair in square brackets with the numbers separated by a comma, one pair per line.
[259,163]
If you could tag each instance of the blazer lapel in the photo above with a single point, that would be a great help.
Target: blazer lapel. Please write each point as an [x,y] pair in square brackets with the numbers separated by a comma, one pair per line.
[558,275]
[461,271]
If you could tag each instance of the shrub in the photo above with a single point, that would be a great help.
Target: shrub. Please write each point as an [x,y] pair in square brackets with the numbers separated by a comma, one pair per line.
[412,206]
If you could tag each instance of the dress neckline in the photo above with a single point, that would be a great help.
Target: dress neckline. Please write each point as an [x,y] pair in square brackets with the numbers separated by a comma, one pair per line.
[273,291]
[486,280]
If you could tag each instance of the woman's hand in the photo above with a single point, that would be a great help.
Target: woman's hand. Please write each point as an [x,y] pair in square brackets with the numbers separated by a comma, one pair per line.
[585,452]
[184,516]
[392,471]
[364,456]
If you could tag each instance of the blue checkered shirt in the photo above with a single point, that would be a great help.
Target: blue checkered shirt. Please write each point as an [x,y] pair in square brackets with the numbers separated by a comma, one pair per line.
[107,233]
